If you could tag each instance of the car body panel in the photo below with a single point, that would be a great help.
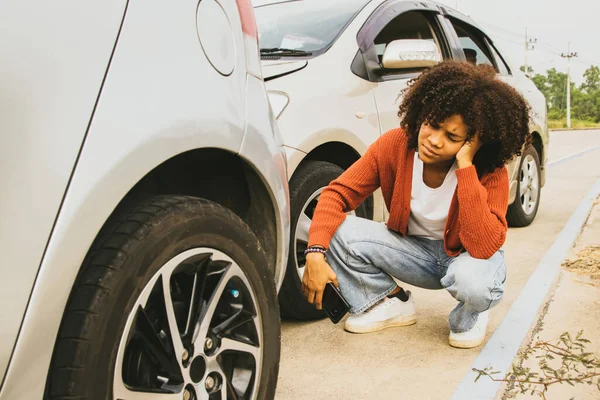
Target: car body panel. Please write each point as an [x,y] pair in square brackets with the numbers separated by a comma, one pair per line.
[352,119]
[277,68]
[157,102]
[262,148]
[518,80]
[353,113]
[294,157]
[324,98]
[50,79]
[387,91]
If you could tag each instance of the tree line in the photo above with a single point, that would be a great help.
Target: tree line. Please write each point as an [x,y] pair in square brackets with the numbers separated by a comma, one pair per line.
[585,98]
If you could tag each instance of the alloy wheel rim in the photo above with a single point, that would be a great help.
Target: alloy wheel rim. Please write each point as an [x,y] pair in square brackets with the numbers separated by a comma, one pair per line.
[302,228]
[194,333]
[529,184]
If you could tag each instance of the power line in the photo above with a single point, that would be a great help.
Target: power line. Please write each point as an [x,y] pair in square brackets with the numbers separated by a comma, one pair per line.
[501,28]
[520,43]
[551,56]
[505,31]
[587,62]
[549,48]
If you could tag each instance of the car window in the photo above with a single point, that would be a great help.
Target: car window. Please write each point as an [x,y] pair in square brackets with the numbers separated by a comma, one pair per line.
[473,44]
[310,25]
[502,67]
[410,25]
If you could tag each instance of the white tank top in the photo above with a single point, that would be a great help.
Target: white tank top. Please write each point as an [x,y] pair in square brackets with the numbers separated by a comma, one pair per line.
[429,207]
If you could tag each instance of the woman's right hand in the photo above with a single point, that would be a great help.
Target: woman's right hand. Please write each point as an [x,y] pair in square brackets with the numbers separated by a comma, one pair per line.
[316,275]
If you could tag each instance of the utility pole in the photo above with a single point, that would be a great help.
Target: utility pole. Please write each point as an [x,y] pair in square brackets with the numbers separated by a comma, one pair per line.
[529,45]
[568,56]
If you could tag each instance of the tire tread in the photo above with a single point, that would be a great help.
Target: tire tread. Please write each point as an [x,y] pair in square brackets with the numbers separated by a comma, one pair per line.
[515,216]
[103,262]
[292,303]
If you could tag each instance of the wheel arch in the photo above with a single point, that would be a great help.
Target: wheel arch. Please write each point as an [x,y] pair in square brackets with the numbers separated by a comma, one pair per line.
[540,146]
[337,153]
[537,143]
[86,214]
[340,154]
[217,175]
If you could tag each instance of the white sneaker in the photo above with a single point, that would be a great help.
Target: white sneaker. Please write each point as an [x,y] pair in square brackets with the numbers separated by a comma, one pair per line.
[388,313]
[474,336]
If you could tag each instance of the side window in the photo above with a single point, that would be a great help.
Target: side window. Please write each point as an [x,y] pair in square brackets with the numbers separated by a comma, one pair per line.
[410,25]
[473,44]
[502,67]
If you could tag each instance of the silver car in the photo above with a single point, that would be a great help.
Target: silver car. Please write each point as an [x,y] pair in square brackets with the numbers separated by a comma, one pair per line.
[144,214]
[334,71]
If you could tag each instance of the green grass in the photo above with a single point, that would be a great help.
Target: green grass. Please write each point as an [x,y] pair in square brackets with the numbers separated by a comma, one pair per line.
[575,123]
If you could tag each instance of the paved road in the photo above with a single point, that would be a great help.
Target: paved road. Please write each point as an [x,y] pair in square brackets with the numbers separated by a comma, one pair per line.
[321,361]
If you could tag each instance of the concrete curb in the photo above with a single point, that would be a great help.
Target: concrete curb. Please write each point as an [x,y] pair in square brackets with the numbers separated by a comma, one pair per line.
[573,129]
[501,349]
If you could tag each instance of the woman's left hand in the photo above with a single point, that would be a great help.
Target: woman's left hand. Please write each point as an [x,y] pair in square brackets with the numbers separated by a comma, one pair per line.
[464,157]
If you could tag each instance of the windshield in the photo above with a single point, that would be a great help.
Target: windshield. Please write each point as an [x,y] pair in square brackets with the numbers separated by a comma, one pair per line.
[308,26]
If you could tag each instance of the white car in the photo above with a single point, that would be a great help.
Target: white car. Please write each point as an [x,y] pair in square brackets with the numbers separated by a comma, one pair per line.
[144,209]
[334,71]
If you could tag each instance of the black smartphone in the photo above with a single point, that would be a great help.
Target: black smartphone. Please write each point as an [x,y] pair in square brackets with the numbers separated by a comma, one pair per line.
[334,304]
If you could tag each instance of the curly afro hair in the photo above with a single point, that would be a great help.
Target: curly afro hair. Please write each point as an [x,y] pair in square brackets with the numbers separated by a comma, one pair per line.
[487,105]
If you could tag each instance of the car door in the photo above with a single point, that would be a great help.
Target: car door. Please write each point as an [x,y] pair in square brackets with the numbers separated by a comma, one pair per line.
[505,74]
[394,20]
[478,49]
[413,24]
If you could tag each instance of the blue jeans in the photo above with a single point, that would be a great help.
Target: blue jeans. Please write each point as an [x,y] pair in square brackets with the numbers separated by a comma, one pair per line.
[366,254]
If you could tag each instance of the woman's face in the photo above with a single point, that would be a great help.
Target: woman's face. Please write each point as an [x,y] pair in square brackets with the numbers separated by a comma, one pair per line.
[440,143]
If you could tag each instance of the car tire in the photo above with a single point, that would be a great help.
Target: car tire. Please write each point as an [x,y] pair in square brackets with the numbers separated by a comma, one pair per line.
[118,310]
[310,178]
[523,210]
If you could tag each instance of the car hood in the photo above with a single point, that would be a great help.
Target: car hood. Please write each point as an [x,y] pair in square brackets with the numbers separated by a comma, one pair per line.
[273,69]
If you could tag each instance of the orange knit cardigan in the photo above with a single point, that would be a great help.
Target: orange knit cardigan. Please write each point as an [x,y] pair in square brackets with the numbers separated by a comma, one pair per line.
[476,220]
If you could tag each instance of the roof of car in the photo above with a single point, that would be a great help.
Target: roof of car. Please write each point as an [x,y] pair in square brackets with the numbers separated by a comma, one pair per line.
[457,14]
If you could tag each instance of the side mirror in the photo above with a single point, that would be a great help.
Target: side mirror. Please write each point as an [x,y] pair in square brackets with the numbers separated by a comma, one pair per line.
[411,53]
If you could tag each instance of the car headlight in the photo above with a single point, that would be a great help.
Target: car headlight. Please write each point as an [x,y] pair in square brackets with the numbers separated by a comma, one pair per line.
[278,101]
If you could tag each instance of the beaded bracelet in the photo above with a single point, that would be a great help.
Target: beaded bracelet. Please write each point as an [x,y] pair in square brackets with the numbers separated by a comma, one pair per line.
[315,249]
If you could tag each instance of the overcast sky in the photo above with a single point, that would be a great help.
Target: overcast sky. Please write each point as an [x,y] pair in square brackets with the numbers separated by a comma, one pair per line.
[554,23]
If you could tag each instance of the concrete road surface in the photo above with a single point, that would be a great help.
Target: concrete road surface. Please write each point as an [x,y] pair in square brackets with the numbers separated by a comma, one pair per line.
[321,361]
